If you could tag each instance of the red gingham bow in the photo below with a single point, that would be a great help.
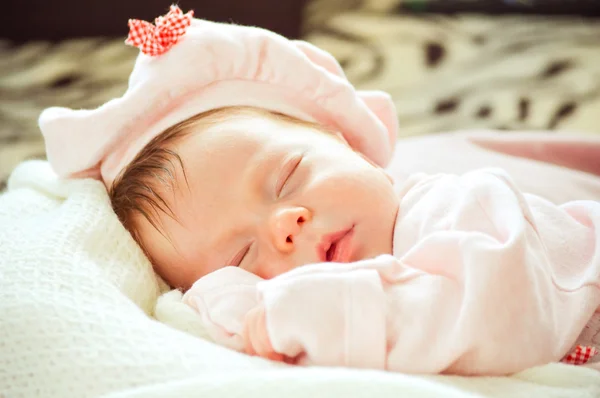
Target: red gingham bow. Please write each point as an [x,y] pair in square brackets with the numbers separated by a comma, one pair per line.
[580,355]
[156,39]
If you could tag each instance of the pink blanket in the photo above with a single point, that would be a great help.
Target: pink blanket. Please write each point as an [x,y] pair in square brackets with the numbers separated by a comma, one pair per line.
[557,167]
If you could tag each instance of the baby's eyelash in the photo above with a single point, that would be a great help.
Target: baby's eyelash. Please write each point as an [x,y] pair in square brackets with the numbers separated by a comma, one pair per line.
[288,170]
[241,255]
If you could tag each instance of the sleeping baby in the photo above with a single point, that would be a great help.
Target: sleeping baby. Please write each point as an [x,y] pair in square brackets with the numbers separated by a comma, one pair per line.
[253,175]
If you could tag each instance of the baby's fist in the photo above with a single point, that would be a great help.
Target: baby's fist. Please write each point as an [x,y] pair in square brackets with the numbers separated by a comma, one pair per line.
[256,338]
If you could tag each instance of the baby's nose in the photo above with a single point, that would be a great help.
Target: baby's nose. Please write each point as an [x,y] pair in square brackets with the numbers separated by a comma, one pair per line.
[286,224]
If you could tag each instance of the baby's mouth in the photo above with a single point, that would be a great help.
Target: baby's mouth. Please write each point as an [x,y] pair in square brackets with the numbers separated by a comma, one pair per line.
[330,251]
[337,247]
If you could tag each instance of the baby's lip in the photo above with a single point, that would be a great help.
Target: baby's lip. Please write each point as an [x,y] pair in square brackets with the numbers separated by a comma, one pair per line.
[342,249]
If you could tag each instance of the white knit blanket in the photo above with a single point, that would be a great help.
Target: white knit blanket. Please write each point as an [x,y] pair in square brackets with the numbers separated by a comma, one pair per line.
[77,319]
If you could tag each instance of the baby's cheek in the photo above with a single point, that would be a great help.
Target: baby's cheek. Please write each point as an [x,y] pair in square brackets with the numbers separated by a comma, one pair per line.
[352,187]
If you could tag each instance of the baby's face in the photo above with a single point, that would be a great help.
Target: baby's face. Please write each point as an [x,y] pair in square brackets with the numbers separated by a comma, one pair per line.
[268,196]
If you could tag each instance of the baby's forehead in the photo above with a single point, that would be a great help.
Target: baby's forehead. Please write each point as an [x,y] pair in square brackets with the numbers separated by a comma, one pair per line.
[249,133]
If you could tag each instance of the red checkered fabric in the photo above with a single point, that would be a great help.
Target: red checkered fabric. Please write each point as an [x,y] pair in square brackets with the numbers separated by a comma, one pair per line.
[156,39]
[580,355]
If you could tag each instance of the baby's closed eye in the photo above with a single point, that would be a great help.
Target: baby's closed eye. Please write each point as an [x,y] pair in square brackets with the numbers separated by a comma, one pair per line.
[287,171]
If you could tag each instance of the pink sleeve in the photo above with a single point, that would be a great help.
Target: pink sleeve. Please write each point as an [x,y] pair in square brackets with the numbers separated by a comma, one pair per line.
[222,299]
[486,281]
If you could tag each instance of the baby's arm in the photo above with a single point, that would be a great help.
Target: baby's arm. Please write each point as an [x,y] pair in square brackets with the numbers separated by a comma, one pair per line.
[489,281]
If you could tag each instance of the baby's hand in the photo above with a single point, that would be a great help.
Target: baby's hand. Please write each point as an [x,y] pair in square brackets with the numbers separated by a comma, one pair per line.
[256,338]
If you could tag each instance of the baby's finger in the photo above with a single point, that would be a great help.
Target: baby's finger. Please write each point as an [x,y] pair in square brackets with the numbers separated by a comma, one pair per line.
[247,336]
[267,353]
[263,342]
[274,356]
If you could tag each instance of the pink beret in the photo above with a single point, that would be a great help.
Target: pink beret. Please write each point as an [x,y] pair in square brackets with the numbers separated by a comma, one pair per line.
[209,66]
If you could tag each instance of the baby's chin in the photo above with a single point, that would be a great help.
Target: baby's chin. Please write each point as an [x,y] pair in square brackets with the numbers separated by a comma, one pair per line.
[378,236]
[375,252]
[373,246]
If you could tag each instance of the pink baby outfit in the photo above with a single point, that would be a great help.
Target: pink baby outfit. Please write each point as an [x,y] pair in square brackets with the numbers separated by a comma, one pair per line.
[484,279]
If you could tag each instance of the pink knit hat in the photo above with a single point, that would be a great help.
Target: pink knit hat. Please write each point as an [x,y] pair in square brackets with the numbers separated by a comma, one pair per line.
[191,66]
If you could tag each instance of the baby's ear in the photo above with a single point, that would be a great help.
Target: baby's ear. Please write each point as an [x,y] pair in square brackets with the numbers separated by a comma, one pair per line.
[381,104]
[381,169]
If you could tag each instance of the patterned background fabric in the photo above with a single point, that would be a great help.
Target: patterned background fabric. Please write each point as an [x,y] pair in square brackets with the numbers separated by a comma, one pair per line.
[444,72]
